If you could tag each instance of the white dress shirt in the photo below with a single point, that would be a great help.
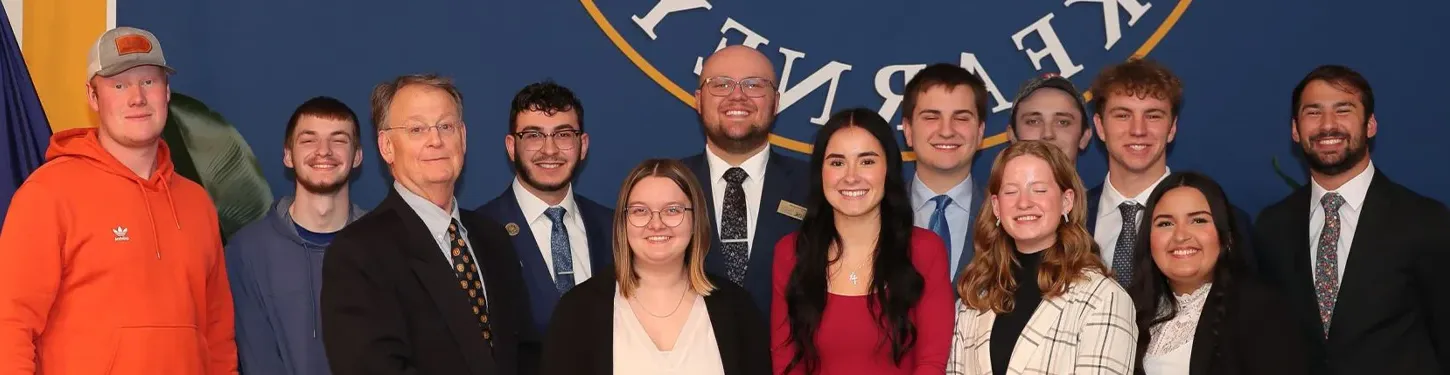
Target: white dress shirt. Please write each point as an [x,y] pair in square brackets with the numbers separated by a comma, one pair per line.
[1353,192]
[754,183]
[437,222]
[959,215]
[1110,219]
[542,228]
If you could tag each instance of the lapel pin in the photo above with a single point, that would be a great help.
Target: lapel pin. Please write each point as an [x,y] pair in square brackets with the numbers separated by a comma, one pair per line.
[512,228]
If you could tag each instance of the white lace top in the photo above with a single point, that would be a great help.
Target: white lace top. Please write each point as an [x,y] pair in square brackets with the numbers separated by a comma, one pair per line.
[1172,341]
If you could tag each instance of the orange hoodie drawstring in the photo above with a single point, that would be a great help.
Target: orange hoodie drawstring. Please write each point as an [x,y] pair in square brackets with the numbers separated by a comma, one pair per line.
[155,236]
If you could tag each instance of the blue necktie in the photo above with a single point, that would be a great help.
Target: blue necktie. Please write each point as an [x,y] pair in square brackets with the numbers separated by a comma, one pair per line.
[559,245]
[939,224]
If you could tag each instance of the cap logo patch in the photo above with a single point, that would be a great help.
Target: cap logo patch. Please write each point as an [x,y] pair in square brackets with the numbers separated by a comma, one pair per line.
[129,44]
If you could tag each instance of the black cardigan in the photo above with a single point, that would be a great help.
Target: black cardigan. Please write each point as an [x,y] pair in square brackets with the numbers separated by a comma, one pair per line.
[580,340]
[1257,337]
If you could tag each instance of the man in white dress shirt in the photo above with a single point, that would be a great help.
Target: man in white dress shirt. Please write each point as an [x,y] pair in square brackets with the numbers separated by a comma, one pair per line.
[1136,116]
[756,195]
[561,238]
[944,112]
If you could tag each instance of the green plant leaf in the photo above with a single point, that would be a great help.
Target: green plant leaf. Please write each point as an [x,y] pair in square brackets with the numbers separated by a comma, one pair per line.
[1293,185]
[208,150]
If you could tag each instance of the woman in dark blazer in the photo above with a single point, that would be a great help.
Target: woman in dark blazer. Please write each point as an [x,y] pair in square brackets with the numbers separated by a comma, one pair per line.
[657,311]
[1198,312]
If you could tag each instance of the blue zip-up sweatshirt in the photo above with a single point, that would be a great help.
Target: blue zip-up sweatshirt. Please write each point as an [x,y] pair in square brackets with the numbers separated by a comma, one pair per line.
[276,278]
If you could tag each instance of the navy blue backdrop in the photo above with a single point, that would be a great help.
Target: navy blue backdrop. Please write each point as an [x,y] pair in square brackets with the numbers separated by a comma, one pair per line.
[254,61]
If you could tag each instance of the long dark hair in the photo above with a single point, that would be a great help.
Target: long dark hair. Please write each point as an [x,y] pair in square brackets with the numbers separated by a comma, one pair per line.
[1150,289]
[896,286]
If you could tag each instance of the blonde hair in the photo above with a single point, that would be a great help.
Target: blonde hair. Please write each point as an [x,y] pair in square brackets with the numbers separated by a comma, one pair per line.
[987,282]
[700,234]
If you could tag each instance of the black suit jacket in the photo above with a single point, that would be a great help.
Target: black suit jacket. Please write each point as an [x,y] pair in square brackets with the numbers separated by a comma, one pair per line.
[785,181]
[392,305]
[581,333]
[1392,314]
[1244,242]
[1248,331]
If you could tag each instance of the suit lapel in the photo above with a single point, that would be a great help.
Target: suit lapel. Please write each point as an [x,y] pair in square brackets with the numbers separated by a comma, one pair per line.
[969,245]
[1201,355]
[983,353]
[1093,197]
[531,259]
[767,219]
[714,261]
[436,275]
[1043,322]
[599,232]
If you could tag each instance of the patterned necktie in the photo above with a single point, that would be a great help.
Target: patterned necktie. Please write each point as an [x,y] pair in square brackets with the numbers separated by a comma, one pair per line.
[1127,238]
[939,223]
[559,245]
[1326,262]
[733,225]
[469,279]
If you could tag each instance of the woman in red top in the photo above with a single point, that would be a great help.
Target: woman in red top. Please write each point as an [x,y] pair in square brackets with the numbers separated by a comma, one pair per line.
[870,293]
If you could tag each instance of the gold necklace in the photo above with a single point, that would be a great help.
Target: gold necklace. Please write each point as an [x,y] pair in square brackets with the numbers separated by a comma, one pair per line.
[672,312]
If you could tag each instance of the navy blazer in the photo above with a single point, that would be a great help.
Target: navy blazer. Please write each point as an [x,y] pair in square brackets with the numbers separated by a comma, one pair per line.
[1244,241]
[785,181]
[538,277]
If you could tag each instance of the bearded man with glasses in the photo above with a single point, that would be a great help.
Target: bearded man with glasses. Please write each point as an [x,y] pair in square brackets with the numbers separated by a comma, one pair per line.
[756,195]
[561,239]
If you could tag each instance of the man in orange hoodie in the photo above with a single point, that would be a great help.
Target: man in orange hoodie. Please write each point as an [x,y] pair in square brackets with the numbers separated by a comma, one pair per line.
[110,262]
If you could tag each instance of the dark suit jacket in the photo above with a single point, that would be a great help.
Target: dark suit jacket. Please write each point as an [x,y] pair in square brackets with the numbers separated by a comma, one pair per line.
[785,180]
[1253,334]
[538,277]
[392,305]
[1244,243]
[1392,314]
[581,335]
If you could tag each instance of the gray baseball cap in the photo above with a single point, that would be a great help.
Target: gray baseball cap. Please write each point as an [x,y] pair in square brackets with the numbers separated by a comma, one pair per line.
[1049,80]
[124,48]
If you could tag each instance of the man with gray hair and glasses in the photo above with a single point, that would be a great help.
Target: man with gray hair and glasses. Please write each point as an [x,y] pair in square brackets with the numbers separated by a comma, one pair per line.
[418,285]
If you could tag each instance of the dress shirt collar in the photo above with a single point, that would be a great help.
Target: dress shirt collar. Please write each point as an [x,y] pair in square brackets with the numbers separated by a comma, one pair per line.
[433,216]
[961,194]
[1353,191]
[533,208]
[1108,205]
[754,166]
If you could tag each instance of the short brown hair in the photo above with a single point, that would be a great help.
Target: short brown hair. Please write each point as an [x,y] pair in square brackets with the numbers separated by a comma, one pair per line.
[948,76]
[323,107]
[383,94]
[987,282]
[700,233]
[1137,77]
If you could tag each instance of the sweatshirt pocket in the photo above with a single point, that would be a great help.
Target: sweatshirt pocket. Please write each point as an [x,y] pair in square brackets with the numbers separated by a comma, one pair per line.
[159,349]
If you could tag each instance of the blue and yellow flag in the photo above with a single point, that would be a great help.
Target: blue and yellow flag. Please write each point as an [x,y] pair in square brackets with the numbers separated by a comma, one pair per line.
[26,131]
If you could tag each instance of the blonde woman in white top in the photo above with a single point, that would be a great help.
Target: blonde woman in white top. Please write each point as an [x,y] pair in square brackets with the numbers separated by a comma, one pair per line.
[657,312]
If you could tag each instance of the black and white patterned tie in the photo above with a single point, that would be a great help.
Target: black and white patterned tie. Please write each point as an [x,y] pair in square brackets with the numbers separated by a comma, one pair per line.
[733,226]
[1127,238]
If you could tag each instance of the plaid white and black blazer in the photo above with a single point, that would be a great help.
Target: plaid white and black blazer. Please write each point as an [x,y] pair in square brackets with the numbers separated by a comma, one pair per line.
[1088,330]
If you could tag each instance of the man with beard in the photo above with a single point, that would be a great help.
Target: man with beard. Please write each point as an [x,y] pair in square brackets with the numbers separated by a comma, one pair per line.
[1136,116]
[1393,316]
[561,238]
[275,264]
[756,194]
[944,113]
